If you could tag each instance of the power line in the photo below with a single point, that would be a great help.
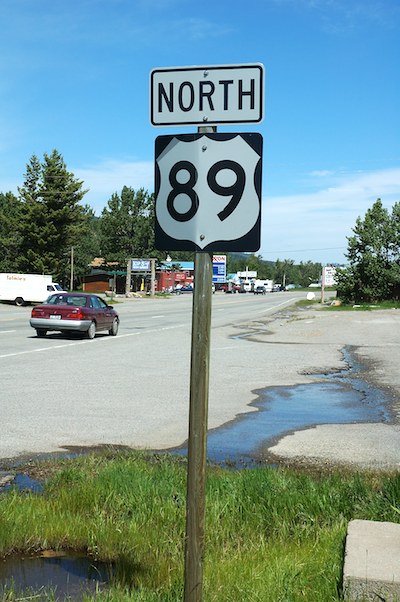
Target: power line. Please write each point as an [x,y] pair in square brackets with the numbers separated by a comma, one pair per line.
[304,250]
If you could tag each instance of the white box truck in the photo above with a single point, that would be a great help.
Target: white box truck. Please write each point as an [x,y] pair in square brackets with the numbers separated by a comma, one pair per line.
[27,288]
[267,284]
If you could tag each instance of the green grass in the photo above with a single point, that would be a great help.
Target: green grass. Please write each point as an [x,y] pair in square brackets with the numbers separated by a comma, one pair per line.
[348,306]
[365,306]
[307,302]
[271,534]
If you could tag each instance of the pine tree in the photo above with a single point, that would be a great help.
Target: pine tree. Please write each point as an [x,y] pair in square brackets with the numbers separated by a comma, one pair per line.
[374,262]
[52,218]
[10,208]
[127,226]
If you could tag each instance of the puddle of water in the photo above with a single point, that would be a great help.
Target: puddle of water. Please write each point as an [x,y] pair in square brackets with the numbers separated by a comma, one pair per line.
[281,410]
[23,482]
[344,399]
[70,577]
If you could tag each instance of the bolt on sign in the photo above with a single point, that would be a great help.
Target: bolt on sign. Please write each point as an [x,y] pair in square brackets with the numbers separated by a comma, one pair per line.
[213,95]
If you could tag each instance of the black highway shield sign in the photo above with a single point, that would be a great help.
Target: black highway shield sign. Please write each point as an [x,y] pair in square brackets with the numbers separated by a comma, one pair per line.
[208,192]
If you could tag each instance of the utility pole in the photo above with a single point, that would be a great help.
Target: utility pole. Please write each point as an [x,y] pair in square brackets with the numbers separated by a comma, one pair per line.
[71,285]
[153,277]
[128,277]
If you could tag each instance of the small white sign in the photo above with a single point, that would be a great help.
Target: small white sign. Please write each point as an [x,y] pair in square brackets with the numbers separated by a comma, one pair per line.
[329,275]
[140,265]
[207,95]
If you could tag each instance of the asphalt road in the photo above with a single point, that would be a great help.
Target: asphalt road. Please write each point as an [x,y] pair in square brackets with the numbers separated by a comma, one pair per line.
[132,389]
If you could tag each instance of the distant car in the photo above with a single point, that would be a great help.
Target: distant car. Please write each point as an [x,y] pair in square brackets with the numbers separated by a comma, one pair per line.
[74,312]
[259,290]
[230,287]
[291,287]
[187,288]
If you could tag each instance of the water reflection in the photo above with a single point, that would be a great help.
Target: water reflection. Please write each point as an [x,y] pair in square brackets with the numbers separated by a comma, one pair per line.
[68,576]
[339,399]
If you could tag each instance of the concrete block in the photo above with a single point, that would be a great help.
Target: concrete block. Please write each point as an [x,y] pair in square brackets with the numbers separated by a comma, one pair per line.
[372,561]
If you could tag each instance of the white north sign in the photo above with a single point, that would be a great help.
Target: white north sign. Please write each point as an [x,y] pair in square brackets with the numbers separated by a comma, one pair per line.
[212,95]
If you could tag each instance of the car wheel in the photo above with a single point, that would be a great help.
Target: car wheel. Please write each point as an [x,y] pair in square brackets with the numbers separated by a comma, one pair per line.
[19,302]
[91,331]
[114,328]
[40,332]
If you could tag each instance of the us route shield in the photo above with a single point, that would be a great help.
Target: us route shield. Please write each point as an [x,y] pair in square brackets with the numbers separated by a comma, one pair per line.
[208,192]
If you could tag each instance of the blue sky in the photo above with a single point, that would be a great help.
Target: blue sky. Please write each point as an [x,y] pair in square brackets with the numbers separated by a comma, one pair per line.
[74,75]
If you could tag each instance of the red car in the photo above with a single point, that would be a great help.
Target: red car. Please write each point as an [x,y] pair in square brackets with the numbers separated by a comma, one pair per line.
[74,312]
[230,288]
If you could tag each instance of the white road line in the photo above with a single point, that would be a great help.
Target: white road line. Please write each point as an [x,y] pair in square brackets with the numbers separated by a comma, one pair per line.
[275,306]
[7,331]
[85,342]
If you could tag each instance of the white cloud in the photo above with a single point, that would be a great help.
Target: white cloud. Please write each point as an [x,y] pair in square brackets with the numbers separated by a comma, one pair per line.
[307,226]
[110,176]
[321,173]
[315,225]
[199,29]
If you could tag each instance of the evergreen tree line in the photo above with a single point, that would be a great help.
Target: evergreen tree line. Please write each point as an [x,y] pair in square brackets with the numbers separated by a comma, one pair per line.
[373,255]
[47,224]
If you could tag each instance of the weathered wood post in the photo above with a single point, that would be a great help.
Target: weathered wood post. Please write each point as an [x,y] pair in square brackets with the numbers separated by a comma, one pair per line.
[198,415]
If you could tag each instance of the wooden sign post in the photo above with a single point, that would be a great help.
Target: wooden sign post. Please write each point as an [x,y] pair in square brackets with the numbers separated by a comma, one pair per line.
[198,416]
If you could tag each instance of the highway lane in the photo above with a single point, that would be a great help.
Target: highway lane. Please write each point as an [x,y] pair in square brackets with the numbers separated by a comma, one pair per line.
[132,389]
[139,316]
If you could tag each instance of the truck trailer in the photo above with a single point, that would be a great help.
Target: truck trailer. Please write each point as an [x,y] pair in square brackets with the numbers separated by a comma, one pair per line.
[22,289]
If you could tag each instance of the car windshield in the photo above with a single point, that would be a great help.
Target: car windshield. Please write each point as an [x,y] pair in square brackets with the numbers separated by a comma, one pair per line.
[75,300]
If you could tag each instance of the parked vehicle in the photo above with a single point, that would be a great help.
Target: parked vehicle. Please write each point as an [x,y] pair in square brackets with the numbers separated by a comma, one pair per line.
[22,289]
[291,287]
[259,290]
[246,286]
[267,284]
[186,288]
[74,312]
[230,287]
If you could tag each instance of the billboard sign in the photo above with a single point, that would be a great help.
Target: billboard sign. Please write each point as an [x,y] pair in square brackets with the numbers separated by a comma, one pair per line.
[219,268]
